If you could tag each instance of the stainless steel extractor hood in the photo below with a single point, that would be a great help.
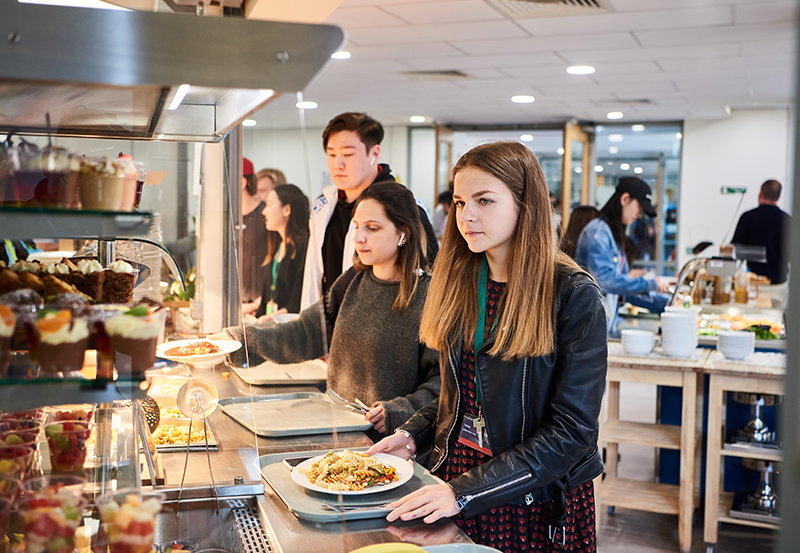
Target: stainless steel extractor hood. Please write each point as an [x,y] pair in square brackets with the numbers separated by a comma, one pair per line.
[104,73]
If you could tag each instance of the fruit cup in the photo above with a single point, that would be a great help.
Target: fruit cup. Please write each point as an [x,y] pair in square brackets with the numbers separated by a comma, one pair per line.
[54,486]
[67,443]
[30,414]
[5,516]
[17,462]
[50,523]
[129,518]
[72,413]
[178,546]
[18,433]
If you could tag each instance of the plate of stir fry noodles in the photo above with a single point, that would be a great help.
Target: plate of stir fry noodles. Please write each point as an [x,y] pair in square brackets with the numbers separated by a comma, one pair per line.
[352,473]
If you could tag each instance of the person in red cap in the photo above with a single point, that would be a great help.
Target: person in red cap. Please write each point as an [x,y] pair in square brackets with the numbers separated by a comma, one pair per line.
[254,239]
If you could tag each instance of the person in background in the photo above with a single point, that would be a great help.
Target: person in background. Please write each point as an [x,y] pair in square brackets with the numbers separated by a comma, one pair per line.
[372,316]
[443,203]
[16,250]
[522,335]
[555,203]
[286,214]
[352,143]
[767,225]
[254,236]
[267,179]
[601,250]
[578,219]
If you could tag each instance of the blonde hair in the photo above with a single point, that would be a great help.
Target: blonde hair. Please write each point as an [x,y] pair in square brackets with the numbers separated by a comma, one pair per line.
[526,314]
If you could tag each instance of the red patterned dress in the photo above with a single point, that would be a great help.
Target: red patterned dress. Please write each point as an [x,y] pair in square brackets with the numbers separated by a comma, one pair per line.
[522,527]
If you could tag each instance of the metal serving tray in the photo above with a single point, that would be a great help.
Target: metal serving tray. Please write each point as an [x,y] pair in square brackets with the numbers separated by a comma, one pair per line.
[297,414]
[307,504]
[271,374]
[213,440]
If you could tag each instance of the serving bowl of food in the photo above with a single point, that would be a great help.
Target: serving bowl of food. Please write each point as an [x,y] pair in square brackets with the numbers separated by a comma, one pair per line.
[204,354]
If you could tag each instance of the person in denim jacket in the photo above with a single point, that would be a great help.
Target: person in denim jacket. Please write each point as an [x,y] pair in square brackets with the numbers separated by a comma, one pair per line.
[600,251]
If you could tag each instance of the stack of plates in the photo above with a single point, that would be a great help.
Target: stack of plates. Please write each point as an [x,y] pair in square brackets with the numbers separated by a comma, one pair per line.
[736,344]
[679,333]
[638,342]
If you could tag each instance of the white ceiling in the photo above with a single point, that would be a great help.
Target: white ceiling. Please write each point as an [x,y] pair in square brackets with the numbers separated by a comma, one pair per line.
[688,58]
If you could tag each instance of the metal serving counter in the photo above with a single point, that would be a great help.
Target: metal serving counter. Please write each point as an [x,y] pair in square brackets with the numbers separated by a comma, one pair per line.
[283,531]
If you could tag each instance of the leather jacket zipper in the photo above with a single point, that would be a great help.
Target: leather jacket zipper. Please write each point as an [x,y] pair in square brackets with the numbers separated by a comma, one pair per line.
[455,417]
[461,503]
[524,393]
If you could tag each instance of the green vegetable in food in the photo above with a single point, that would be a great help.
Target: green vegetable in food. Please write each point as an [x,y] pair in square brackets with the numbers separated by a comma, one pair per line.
[762,332]
[138,311]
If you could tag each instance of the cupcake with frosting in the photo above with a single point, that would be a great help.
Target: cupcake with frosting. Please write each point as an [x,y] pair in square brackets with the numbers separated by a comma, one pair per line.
[61,341]
[132,338]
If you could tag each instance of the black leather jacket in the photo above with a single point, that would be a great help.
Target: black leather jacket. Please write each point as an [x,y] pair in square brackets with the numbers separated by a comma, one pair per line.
[541,413]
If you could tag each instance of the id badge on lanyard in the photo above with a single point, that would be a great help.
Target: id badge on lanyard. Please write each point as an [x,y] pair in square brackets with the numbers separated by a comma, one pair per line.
[474,433]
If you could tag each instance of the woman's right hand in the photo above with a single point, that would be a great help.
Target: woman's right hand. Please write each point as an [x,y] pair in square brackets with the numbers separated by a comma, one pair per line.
[662,284]
[395,445]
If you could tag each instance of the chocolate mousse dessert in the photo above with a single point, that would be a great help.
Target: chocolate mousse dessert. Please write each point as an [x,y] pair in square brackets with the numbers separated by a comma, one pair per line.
[132,339]
[8,322]
[118,284]
[61,341]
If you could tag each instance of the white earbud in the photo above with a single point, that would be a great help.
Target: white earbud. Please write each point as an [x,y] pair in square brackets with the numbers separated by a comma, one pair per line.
[372,162]
[402,239]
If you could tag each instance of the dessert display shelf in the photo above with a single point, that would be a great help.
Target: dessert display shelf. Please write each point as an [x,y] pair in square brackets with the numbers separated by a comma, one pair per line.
[20,395]
[20,223]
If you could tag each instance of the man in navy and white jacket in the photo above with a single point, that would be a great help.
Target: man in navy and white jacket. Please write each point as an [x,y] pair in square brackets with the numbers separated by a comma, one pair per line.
[352,143]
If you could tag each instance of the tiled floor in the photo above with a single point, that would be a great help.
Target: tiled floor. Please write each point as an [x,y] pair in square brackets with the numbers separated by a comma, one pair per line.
[628,531]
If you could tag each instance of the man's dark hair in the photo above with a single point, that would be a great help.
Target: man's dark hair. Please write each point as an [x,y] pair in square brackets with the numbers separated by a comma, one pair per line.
[368,129]
[771,190]
[445,197]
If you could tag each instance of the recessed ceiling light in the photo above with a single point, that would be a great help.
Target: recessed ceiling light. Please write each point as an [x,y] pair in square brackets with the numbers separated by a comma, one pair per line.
[599,128]
[526,137]
[615,115]
[638,170]
[560,151]
[598,168]
[341,55]
[613,150]
[522,99]
[578,170]
[307,105]
[580,70]
[637,128]
[615,138]
[678,135]
[180,94]
[624,166]
[417,119]
[249,123]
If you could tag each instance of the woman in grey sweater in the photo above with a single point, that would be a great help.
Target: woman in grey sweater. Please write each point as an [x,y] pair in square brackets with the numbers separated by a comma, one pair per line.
[371,317]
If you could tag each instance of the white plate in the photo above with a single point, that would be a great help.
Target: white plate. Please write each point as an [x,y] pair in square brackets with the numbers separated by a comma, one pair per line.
[404,473]
[286,317]
[205,360]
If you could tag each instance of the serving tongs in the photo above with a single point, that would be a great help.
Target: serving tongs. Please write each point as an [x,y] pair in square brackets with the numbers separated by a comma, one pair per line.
[197,396]
[354,508]
[357,406]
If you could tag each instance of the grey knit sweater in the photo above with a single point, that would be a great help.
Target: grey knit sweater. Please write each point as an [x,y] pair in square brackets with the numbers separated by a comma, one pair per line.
[375,352]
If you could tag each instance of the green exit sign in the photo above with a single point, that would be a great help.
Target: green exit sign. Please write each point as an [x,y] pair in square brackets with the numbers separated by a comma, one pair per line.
[730,190]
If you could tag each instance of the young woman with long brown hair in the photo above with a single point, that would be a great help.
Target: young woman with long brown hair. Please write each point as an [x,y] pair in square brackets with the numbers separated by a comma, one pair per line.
[372,316]
[522,335]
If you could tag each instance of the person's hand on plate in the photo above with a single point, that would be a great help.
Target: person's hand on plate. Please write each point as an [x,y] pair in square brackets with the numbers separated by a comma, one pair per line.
[377,417]
[394,445]
[662,284]
[251,307]
[431,502]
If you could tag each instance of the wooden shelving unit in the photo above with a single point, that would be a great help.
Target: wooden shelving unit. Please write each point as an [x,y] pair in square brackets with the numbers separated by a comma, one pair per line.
[725,376]
[614,491]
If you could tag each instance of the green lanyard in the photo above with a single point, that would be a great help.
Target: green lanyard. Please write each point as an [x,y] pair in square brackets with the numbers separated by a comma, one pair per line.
[275,264]
[483,276]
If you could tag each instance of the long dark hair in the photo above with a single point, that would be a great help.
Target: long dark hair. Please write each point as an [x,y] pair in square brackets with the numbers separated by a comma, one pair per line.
[401,209]
[578,219]
[296,226]
[611,213]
